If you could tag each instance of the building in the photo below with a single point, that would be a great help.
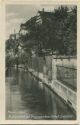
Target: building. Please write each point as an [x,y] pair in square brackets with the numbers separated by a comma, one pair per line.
[44,16]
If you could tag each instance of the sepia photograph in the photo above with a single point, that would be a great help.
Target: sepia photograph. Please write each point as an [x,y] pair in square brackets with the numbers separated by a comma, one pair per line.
[41,62]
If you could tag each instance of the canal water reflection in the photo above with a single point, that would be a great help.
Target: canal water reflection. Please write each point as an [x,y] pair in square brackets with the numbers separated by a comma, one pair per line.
[27,98]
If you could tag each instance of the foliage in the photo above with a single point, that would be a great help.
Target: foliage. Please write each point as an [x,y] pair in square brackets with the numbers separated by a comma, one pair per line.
[58,31]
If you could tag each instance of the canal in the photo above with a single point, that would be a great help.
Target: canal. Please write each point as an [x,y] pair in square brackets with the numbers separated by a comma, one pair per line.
[28,98]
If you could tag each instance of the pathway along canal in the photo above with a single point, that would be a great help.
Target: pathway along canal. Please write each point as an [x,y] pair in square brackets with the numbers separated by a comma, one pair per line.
[27,98]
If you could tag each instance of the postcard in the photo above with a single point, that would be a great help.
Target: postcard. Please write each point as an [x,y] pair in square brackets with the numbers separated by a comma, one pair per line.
[39,59]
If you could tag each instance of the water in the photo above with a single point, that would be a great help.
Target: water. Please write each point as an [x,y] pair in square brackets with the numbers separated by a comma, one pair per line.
[27,98]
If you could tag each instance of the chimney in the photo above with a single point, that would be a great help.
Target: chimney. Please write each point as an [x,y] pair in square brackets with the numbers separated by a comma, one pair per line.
[43,9]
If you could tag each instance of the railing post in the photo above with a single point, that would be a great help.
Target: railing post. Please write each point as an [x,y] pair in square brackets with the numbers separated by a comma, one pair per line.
[54,70]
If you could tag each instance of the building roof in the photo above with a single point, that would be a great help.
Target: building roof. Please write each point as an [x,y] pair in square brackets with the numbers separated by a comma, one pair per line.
[46,14]
[28,23]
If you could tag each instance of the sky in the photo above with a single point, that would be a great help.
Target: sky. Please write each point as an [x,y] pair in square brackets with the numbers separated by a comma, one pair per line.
[17,14]
[20,13]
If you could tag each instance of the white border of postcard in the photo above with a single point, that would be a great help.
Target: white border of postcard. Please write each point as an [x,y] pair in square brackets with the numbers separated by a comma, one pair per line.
[2,61]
